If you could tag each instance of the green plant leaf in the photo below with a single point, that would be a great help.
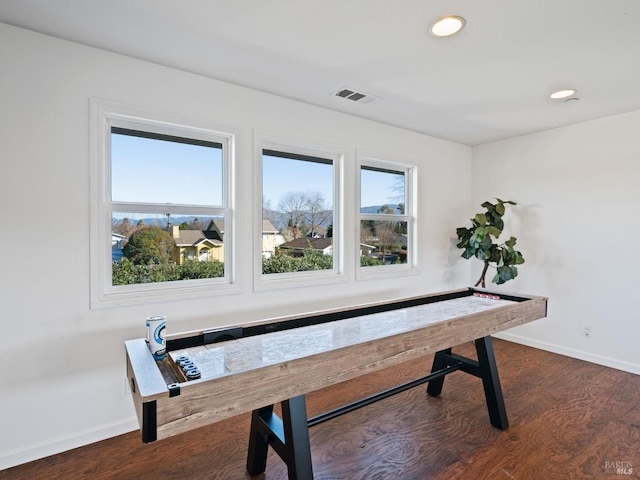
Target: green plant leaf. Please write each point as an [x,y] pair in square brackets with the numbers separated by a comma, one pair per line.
[504,274]
[462,232]
[478,238]
[486,242]
[495,231]
[483,255]
[481,219]
[468,253]
[496,255]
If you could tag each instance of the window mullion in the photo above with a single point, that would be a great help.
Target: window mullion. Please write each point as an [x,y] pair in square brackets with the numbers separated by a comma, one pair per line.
[168,208]
[384,218]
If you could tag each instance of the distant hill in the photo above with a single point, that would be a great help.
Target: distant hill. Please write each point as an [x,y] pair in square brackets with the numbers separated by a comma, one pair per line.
[376,208]
[278,219]
[162,222]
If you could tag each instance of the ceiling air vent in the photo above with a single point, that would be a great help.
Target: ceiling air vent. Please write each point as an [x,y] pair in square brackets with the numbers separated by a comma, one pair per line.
[354,96]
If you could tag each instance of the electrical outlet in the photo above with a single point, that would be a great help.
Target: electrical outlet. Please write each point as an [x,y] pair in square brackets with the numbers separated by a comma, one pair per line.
[586,332]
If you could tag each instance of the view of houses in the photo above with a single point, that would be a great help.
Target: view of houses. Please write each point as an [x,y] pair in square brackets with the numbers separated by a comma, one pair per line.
[201,244]
[148,242]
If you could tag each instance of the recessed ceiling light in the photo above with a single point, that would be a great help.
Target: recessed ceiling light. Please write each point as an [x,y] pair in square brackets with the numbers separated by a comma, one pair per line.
[565,93]
[447,26]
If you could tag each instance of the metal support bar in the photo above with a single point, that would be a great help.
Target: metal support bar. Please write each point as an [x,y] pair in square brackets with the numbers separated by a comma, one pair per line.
[363,402]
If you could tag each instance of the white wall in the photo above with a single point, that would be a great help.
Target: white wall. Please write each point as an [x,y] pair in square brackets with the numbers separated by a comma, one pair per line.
[63,371]
[577,223]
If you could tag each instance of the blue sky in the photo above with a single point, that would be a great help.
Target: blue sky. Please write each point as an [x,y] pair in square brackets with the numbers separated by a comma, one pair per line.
[156,171]
[380,188]
[284,175]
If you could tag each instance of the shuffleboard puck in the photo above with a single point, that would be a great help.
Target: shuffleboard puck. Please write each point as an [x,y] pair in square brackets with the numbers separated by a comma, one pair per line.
[486,295]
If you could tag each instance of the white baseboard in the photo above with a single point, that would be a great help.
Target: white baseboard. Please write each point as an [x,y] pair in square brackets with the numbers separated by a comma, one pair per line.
[60,444]
[571,352]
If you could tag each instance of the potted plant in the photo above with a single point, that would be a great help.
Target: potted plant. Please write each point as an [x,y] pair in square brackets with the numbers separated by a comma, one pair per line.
[477,242]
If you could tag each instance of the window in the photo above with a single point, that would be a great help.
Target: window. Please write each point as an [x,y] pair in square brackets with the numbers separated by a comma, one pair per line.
[386,216]
[161,209]
[300,217]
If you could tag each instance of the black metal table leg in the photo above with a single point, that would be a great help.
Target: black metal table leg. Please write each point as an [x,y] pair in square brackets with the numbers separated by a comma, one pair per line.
[440,361]
[491,383]
[296,434]
[289,438]
[258,441]
[484,368]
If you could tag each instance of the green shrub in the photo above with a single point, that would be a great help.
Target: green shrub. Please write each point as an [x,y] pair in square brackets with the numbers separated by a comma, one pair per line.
[126,272]
[310,260]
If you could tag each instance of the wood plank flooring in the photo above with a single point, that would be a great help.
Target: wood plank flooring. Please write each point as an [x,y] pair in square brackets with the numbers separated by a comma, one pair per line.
[568,420]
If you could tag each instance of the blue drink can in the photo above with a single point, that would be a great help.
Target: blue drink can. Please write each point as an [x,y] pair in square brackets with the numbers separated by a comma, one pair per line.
[156,336]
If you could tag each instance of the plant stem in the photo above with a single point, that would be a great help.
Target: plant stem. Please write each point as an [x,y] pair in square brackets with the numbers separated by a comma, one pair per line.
[484,272]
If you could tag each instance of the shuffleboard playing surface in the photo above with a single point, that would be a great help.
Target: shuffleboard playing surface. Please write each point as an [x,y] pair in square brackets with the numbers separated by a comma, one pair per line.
[235,356]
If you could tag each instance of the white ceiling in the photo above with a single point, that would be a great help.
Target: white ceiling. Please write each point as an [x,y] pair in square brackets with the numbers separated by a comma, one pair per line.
[492,81]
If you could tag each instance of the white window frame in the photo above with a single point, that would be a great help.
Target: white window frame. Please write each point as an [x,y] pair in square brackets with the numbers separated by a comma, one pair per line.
[410,216]
[315,277]
[105,115]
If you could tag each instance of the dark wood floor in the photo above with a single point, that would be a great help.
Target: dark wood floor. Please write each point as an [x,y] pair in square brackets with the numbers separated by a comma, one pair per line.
[569,420]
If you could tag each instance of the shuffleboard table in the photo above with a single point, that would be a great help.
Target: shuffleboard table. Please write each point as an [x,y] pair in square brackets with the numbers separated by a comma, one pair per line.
[249,368]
